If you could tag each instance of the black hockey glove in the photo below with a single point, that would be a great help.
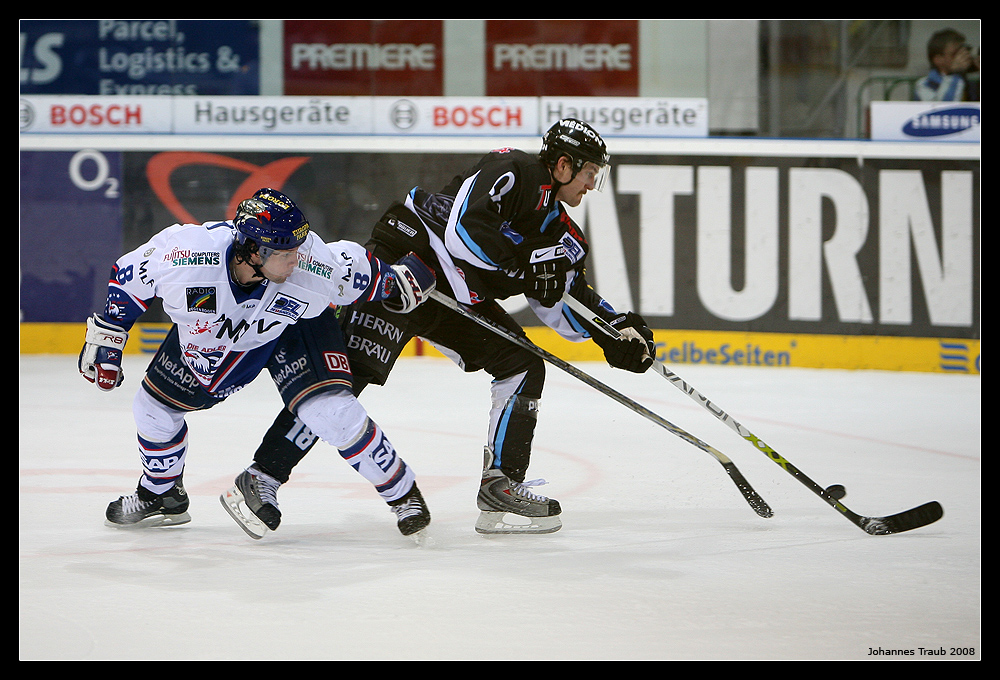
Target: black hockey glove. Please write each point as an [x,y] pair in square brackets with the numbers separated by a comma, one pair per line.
[635,350]
[545,276]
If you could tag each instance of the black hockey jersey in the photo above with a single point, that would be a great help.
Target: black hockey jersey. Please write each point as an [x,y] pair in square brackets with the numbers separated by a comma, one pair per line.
[481,230]
[492,217]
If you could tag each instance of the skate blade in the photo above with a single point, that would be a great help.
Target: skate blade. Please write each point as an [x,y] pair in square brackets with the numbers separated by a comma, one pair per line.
[422,539]
[153,522]
[509,523]
[235,504]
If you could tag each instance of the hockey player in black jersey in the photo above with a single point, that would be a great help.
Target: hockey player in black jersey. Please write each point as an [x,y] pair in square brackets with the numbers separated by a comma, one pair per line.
[497,230]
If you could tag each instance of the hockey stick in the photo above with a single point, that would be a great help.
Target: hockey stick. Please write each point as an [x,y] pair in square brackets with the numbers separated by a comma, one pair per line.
[914,518]
[752,497]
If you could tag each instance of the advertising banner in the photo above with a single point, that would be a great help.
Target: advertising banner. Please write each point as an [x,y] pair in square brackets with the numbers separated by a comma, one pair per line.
[406,57]
[353,57]
[75,114]
[456,116]
[226,115]
[272,115]
[71,232]
[139,57]
[419,115]
[562,58]
[631,116]
[926,121]
[733,259]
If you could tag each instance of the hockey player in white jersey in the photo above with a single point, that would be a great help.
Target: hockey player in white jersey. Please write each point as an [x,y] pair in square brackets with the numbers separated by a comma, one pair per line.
[258,292]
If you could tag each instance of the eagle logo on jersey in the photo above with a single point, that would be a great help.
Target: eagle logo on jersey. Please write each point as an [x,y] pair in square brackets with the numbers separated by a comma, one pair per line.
[202,363]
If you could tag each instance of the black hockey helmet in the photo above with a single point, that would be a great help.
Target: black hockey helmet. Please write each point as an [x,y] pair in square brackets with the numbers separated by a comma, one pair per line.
[578,140]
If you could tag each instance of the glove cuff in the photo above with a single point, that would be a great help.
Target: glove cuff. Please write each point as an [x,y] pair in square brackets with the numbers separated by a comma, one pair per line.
[105,334]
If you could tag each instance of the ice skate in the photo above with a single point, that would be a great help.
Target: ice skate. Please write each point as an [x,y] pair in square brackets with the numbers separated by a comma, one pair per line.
[509,507]
[253,502]
[412,515]
[146,509]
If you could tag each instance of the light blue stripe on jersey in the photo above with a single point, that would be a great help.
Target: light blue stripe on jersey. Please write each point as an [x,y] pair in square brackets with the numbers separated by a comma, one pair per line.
[463,234]
[548,219]
[573,321]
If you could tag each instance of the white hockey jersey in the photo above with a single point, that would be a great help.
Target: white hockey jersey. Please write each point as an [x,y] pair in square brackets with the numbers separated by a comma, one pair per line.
[187,267]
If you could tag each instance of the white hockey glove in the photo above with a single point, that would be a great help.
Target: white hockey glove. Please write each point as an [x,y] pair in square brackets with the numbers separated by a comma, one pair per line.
[414,283]
[100,359]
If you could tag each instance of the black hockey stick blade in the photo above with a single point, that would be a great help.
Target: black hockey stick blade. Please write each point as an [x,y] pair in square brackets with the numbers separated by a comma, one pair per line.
[914,518]
[758,504]
[753,499]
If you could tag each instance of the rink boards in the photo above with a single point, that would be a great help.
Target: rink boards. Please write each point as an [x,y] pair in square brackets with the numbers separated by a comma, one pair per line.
[778,350]
[838,254]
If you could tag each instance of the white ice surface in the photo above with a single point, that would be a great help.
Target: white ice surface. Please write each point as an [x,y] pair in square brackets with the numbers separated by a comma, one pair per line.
[659,557]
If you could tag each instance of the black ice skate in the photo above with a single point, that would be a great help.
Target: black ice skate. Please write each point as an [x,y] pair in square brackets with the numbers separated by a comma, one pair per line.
[509,507]
[411,512]
[253,502]
[146,509]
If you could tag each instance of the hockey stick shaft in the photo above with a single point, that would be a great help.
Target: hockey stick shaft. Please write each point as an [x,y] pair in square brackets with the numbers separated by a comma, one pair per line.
[755,501]
[904,521]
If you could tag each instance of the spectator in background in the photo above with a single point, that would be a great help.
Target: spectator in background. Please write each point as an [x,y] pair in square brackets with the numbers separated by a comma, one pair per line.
[951,59]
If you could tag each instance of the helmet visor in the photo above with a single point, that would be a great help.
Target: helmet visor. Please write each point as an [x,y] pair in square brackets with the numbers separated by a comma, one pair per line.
[595,174]
[278,265]
[284,254]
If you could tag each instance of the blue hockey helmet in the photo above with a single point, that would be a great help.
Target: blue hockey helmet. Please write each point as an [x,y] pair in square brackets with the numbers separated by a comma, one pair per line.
[271,220]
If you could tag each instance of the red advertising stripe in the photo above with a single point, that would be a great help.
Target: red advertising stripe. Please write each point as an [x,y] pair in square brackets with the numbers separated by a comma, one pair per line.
[559,58]
[359,57]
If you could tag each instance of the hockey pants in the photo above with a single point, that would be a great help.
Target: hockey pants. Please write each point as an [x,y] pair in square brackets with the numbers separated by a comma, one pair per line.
[318,394]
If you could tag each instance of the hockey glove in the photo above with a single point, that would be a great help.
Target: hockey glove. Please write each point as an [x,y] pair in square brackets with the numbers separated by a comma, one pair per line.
[414,283]
[635,350]
[545,275]
[100,359]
